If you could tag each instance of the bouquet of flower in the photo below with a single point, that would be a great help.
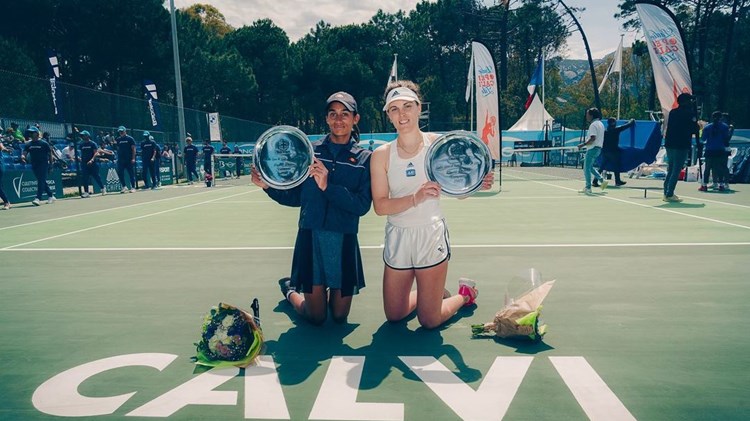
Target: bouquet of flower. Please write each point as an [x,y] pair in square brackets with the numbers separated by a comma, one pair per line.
[229,337]
[519,318]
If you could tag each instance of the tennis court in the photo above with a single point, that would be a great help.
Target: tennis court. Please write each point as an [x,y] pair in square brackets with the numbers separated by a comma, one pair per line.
[102,300]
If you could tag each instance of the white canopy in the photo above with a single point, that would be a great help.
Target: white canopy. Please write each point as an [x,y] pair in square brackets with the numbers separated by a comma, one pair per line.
[534,118]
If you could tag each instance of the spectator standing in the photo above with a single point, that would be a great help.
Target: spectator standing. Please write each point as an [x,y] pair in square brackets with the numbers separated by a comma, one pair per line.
[225,150]
[715,138]
[3,197]
[89,164]
[148,156]
[238,161]
[681,126]
[40,155]
[208,152]
[125,160]
[593,147]
[611,151]
[190,155]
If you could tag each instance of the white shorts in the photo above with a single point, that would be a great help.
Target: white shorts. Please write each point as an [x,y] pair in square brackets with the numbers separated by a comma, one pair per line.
[416,248]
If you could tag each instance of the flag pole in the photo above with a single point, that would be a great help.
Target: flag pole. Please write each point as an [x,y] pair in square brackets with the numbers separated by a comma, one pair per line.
[543,64]
[619,84]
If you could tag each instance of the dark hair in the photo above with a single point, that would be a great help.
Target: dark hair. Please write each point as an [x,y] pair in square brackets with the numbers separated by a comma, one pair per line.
[612,120]
[594,112]
[402,84]
[716,115]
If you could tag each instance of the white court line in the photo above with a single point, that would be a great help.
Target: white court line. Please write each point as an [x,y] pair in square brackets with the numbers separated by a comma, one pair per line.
[460,246]
[120,221]
[105,210]
[703,218]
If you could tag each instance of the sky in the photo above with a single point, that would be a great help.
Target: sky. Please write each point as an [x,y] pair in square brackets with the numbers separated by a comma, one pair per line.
[297,17]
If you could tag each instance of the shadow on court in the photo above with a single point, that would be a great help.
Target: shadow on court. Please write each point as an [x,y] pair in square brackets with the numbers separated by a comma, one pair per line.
[299,351]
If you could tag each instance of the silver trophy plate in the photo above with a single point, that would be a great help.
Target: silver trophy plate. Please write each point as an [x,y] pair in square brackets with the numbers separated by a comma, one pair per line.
[458,161]
[283,155]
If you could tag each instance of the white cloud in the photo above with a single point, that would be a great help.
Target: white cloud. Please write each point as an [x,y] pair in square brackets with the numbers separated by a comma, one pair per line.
[297,17]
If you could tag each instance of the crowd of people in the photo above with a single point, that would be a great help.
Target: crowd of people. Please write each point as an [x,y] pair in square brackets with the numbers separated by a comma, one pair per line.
[85,154]
[683,132]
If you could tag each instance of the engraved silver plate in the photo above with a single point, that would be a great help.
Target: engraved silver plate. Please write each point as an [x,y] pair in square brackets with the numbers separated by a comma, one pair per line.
[283,155]
[458,161]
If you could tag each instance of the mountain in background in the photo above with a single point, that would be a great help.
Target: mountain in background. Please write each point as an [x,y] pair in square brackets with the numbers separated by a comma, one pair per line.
[572,71]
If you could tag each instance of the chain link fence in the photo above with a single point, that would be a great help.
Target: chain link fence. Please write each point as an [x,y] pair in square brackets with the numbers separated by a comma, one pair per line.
[28,100]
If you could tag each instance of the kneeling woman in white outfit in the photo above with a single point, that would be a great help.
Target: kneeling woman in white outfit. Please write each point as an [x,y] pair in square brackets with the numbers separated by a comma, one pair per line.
[417,245]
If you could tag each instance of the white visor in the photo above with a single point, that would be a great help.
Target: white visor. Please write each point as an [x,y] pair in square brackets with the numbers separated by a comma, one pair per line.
[400,93]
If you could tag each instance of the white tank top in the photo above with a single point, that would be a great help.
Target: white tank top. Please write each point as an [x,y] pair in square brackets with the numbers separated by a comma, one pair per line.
[405,176]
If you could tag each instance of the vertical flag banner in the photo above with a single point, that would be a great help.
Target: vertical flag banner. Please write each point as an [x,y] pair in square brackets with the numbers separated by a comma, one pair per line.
[393,77]
[153,105]
[536,80]
[488,115]
[214,128]
[470,76]
[614,67]
[667,52]
[57,94]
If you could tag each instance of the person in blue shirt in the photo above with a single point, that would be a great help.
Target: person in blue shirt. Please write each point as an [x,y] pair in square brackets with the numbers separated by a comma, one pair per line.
[238,161]
[148,155]
[3,197]
[89,164]
[125,160]
[327,265]
[190,154]
[225,150]
[39,153]
[716,138]
[208,152]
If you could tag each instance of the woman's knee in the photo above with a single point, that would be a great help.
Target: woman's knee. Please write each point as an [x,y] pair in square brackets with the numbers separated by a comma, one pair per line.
[429,322]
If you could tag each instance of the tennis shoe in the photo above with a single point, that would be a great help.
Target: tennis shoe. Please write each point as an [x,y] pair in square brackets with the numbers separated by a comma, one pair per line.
[84,195]
[702,188]
[6,206]
[585,191]
[36,202]
[621,183]
[595,183]
[285,285]
[51,200]
[468,288]
[104,191]
[605,183]
[124,190]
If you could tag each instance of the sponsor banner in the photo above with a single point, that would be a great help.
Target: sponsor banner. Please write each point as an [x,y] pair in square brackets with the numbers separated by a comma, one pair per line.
[166,177]
[20,185]
[487,117]
[214,127]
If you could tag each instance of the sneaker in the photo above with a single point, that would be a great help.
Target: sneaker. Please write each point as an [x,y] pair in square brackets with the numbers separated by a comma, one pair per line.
[131,190]
[714,186]
[285,285]
[672,199]
[585,191]
[104,191]
[722,188]
[621,183]
[6,206]
[595,183]
[124,190]
[702,188]
[468,288]
[36,202]
[84,195]
[51,200]
[605,183]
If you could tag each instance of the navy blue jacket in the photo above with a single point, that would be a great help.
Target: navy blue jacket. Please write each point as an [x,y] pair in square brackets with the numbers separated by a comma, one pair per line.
[345,200]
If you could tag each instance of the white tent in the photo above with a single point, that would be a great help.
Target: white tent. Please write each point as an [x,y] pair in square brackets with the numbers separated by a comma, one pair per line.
[534,118]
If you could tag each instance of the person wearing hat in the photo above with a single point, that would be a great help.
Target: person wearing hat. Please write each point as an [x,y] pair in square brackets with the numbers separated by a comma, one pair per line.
[327,265]
[148,157]
[416,235]
[682,124]
[39,153]
[125,159]
[89,165]
[190,154]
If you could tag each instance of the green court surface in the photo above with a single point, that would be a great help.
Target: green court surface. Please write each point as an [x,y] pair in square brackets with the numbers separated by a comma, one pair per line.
[102,300]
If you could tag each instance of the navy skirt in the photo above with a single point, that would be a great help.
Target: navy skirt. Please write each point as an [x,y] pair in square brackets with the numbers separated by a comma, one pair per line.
[308,257]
